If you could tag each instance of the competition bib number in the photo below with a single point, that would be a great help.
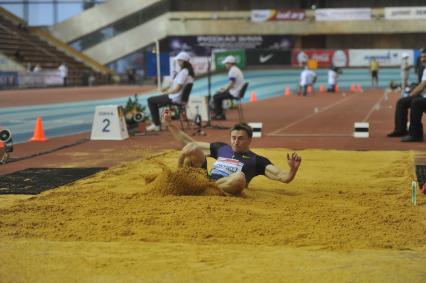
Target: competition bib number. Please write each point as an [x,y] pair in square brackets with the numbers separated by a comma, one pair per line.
[226,166]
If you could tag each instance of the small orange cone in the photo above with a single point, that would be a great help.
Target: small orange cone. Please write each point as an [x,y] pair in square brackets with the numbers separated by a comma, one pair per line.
[253,97]
[337,88]
[38,131]
[352,89]
[321,88]
[310,89]
[287,91]
[360,88]
[1,144]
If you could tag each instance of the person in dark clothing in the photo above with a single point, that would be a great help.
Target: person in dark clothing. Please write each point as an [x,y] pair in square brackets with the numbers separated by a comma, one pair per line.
[419,66]
[236,165]
[416,102]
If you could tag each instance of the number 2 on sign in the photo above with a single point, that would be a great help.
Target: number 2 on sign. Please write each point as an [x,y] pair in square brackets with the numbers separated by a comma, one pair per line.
[107,122]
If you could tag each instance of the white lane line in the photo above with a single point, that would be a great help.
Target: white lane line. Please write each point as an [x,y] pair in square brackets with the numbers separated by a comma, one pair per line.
[310,115]
[373,108]
[311,135]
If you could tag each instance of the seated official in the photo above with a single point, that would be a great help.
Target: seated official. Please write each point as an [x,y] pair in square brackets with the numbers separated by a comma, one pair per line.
[416,102]
[174,93]
[231,91]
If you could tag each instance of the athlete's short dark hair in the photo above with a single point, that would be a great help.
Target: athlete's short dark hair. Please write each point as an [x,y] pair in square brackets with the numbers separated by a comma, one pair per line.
[243,127]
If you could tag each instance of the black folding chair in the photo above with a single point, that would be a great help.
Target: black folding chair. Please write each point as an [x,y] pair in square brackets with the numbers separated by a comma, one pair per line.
[180,107]
[238,99]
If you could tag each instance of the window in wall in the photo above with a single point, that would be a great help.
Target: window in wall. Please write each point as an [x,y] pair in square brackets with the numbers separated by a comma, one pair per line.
[40,14]
[16,9]
[67,10]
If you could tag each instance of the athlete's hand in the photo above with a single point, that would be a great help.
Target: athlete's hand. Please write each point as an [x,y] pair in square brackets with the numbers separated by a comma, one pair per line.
[294,161]
[167,117]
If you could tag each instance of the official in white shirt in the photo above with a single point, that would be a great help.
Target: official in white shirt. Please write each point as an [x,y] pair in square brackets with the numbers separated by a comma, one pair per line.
[172,94]
[333,73]
[416,103]
[230,91]
[307,78]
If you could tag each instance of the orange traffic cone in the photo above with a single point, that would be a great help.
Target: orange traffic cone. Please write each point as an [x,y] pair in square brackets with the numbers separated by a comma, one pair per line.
[253,97]
[38,131]
[310,89]
[352,89]
[321,88]
[1,144]
[336,88]
[360,88]
[287,91]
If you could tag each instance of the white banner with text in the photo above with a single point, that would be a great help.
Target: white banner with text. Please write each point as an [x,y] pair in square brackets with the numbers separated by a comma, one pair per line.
[385,57]
[405,13]
[354,14]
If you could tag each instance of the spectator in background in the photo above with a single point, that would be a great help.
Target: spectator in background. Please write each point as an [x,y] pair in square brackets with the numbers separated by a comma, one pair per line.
[374,72]
[307,79]
[419,66]
[231,90]
[37,68]
[405,71]
[28,68]
[63,71]
[18,56]
[92,79]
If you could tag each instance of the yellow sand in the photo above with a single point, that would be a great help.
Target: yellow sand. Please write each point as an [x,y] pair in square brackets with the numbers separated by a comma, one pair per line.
[347,217]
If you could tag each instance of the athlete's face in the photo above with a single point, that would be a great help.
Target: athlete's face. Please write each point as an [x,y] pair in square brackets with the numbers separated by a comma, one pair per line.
[240,141]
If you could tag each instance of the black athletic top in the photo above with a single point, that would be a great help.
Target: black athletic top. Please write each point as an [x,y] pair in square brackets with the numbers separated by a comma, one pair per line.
[228,162]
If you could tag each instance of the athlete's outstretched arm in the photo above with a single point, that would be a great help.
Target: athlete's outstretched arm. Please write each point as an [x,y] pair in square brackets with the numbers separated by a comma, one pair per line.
[181,136]
[275,173]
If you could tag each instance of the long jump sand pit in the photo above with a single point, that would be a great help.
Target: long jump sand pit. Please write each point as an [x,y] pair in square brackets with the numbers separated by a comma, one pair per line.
[347,217]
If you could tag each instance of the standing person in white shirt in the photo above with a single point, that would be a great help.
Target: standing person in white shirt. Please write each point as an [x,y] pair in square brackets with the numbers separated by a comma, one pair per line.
[230,91]
[307,78]
[333,73]
[63,71]
[37,68]
[172,94]
[405,72]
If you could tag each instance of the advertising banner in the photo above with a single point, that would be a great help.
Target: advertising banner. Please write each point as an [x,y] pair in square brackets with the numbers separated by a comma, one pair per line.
[151,64]
[268,57]
[385,57]
[350,14]
[324,57]
[203,45]
[277,15]
[8,79]
[41,79]
[405,13]
[240,56]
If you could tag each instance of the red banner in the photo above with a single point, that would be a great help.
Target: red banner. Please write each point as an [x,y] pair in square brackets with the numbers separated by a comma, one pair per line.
[277,15]
[324,57]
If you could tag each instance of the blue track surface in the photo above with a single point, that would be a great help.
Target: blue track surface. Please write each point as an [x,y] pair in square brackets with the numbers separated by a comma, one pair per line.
[71,118]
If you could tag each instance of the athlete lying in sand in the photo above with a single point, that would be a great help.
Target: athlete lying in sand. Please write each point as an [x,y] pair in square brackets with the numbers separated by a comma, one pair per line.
[235,164]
